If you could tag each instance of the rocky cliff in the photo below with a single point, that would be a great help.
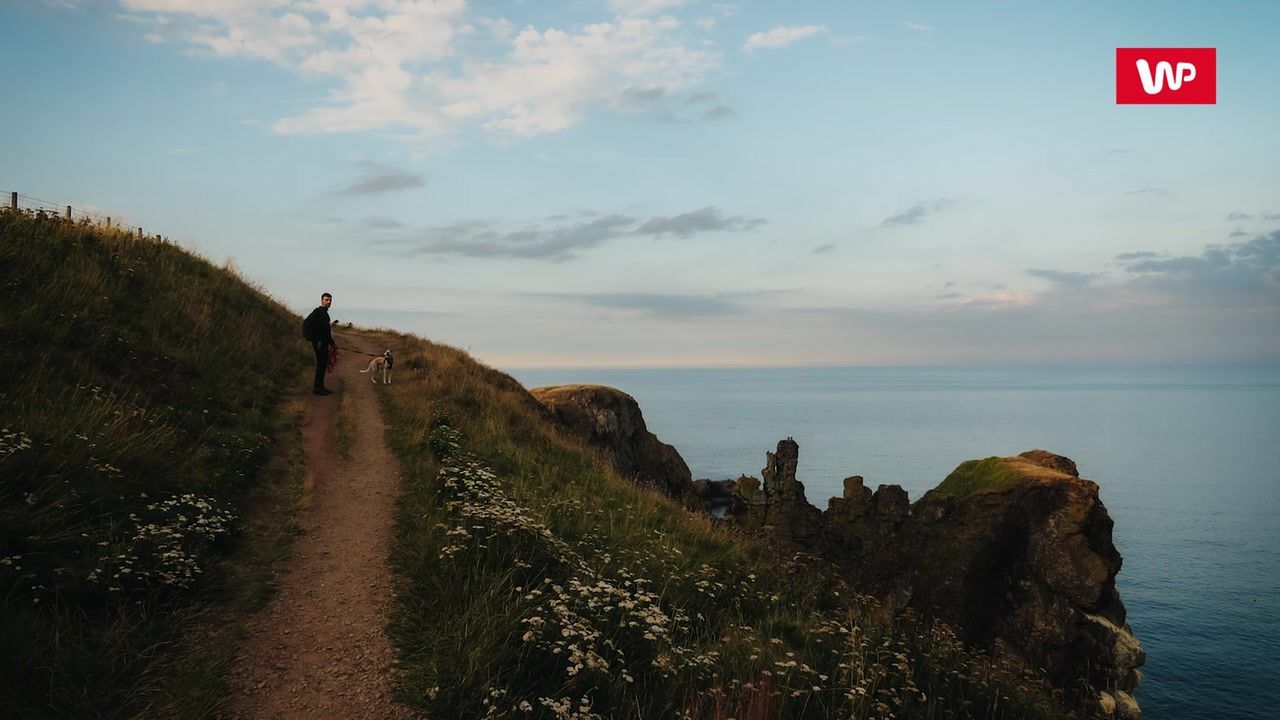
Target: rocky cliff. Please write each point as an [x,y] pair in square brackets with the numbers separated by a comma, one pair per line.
[609,420]
[1015,553]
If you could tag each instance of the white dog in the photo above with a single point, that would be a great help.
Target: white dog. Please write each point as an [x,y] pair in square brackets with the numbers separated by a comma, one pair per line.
[385,362]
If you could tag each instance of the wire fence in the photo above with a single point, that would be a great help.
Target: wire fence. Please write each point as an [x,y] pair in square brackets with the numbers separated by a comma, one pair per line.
[36,207]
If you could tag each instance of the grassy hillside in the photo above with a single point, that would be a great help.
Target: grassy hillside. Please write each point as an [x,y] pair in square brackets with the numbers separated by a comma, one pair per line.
[138,409]
[141,399]
[539,584]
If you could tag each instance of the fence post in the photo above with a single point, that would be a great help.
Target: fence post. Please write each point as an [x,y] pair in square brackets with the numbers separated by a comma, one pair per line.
[68,212]
[108,221]
[139,233]
[13,201]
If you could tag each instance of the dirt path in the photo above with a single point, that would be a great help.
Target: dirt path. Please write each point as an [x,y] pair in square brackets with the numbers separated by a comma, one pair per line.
[319,649]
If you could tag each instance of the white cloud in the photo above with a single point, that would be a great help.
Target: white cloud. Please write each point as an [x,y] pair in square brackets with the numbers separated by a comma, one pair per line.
[781,36]
[420,65]
[645,7]
[920,28]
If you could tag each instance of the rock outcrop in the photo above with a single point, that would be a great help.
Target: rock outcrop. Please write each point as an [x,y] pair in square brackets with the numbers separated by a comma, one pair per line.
[609,420]
[1015,553]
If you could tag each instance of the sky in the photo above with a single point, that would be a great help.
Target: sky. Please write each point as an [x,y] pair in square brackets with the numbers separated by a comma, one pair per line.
[660,183]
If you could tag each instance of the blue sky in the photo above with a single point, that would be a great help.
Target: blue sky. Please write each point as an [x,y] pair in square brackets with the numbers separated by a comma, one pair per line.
[674,182]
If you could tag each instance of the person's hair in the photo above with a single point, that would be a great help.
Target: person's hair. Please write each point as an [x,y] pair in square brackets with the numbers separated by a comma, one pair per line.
[325,295]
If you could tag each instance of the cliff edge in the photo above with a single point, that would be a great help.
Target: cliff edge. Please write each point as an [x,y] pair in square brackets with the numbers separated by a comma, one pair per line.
[610,421]
[1014,552]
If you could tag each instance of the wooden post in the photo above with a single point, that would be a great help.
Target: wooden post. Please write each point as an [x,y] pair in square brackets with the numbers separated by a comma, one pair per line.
[108,221]
[13,201]
[139,233]
[68,212]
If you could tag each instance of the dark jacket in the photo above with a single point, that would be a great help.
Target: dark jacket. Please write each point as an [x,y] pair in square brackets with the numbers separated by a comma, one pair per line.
[316,327]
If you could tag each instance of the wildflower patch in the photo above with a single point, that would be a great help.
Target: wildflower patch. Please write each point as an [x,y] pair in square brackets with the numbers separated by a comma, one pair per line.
[167,544]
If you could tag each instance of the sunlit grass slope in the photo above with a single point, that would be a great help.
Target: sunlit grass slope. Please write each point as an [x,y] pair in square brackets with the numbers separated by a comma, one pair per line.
[137,407]
[539,584]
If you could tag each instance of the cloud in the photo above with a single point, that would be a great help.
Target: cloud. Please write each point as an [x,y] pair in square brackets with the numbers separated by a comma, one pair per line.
[718,12]
[1074,280]
[707,219]
[378,178]
[1137,255]
[915,214]
[645,7]
[665,305]
[642,98]
[718,112]
[421,67]
[1238,216]
[656,101]
[563,242]
[1154,192]
[558,244]
[823,249]
[781,36]
[1222,304]
[918,27]
[842,41]
[1244,274]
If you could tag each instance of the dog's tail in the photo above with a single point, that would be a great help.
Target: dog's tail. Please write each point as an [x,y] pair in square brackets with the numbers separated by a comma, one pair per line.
[365,370]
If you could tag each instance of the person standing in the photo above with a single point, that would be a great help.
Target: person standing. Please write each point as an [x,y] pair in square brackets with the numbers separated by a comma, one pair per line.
[318,330]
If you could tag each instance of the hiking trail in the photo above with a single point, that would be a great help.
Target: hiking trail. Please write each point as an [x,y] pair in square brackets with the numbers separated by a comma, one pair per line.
[320,648]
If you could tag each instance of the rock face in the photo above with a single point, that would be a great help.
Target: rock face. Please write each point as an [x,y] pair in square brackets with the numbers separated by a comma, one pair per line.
[1015,553]
[610,421]
[778,509]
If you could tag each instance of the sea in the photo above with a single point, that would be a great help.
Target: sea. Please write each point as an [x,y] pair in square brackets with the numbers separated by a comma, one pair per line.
[1187,459]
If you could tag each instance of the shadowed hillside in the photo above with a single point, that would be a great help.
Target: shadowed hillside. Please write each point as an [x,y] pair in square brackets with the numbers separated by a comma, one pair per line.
[139,405]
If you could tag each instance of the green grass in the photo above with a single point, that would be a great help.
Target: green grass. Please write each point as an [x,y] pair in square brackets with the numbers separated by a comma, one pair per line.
[533,574]
[140,406]
[991,475]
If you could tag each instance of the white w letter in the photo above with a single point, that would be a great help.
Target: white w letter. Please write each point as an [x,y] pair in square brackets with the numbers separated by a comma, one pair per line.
[1164,75]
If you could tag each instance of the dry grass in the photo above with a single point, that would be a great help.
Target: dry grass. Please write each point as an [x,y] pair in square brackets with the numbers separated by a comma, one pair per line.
[537,583]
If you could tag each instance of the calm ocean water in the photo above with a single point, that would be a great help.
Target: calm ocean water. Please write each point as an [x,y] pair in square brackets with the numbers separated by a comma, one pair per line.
[1188,460]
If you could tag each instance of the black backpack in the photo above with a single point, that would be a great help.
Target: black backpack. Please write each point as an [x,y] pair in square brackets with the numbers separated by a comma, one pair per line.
[309,328]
